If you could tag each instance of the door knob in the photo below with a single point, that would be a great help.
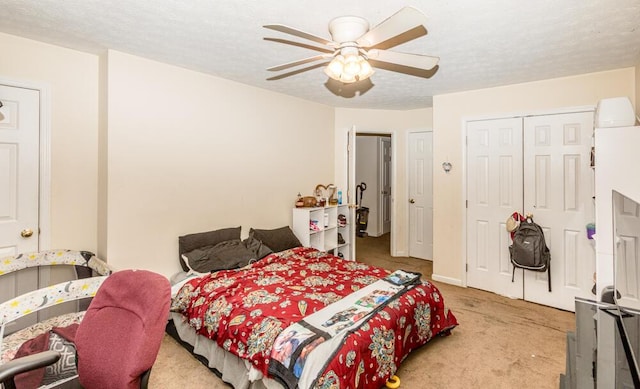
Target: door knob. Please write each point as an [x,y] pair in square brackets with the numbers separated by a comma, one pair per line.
[27,232]
[412,201]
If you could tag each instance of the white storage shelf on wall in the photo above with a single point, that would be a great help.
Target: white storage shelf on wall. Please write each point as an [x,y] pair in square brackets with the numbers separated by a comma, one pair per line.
[325,238]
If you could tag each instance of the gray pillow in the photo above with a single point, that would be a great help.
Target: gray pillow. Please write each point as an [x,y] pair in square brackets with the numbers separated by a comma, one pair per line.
[230,254]
[188,243]
[259,249]
[278,239]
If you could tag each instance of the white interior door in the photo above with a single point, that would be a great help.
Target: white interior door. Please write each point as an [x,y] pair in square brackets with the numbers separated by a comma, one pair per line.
[421,195]
[19,181]
[558,182]
[384,209]
[494,191]
[19,169]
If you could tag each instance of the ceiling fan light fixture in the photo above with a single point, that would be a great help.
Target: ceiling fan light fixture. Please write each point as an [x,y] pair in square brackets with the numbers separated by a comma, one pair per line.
[349,68]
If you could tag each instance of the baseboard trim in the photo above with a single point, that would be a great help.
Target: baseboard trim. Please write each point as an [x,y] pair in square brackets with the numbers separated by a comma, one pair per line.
[446,280]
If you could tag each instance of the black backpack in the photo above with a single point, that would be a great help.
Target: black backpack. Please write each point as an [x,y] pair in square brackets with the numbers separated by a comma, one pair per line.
[529,250]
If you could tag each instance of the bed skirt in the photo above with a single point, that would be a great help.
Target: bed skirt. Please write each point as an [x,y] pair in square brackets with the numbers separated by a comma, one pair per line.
[229,367]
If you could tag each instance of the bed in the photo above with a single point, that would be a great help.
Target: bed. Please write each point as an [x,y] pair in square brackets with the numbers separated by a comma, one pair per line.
[299,317]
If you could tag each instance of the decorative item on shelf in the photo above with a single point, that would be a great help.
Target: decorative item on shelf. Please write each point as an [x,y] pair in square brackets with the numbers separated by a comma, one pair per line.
[342,220]
[327,193]
[309,201]
[299,201]
[313,225]
[340,239]
[332,199]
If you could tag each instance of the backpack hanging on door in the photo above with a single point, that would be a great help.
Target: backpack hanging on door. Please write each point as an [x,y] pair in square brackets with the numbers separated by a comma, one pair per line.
[529,250]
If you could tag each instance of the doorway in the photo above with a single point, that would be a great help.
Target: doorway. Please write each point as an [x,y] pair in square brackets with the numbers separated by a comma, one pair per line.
[24,184]
[373,174]
[19,170]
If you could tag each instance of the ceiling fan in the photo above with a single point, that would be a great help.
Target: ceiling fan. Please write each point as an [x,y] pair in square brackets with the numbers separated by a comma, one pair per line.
[354,48]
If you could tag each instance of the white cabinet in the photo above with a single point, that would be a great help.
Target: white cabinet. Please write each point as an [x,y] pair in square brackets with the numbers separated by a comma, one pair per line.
[324,228]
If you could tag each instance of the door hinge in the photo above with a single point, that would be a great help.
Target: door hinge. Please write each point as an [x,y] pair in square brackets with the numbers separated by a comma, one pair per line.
[466,203]
[466,267]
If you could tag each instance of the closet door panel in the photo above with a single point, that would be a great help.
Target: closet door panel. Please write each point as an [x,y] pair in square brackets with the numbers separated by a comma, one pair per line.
[558,191]
[494,191]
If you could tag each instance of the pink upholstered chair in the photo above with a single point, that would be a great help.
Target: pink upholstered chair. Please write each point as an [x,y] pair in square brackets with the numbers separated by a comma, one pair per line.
[120,335]
[118,340]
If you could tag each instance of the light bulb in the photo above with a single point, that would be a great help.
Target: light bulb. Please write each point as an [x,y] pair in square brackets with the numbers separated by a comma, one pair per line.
[347,77]
[365,69]
[352,65]
[335,67]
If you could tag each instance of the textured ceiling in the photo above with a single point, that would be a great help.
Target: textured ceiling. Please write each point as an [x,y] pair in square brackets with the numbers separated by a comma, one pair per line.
[480,43]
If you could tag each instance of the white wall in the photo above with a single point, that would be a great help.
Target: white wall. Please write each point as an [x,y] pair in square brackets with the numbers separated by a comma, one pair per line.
[189,152]
[72,78]
[398,123]
[449,113]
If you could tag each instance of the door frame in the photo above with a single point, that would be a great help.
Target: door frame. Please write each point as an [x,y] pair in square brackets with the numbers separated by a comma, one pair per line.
[44,196]
[394,173]
[463,129]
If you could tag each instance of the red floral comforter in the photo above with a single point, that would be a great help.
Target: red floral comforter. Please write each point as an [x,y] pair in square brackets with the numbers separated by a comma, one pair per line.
[245,309]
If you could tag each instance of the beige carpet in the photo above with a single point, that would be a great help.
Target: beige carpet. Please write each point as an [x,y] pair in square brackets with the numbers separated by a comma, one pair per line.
[500,343]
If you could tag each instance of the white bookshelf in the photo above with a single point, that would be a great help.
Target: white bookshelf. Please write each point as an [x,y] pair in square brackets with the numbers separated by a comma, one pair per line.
[326,237]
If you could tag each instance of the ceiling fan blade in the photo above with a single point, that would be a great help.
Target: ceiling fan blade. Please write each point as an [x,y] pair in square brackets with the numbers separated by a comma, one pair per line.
[296,71]
[300,62]
[405,19]
[405,37]
[298,33]
[300,44]
[417,61]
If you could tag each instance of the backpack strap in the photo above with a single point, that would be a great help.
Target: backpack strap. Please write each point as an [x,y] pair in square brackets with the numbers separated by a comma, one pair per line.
[549,274]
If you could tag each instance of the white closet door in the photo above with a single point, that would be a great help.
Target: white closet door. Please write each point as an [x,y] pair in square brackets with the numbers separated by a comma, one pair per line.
[494,192]
[558,184]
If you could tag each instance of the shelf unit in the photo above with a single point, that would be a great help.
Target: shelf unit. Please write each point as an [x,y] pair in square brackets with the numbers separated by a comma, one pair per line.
[325,237]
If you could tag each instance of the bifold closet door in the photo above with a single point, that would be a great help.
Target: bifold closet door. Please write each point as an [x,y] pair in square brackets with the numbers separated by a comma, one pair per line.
[558,191]
[539,165]
[494,191]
